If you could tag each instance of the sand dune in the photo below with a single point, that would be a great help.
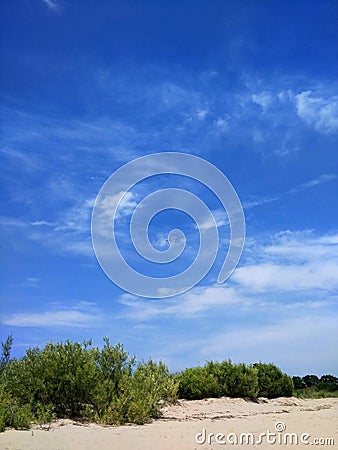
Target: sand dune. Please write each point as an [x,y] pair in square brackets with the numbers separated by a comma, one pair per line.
[201,424]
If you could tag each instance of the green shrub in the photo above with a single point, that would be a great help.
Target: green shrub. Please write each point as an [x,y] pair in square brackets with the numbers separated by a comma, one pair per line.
[116,413]
[151,383]
[137,395]
[196,383]
[5,411]
[235,380]
[22,417]
[12,414]
[314,392]
[220,372]
[62,375]
[273,382]
[77,381]
[111,394]
[44,414]
[242,380]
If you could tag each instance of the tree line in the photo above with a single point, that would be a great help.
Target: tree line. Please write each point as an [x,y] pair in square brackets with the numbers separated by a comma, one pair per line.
[314,386]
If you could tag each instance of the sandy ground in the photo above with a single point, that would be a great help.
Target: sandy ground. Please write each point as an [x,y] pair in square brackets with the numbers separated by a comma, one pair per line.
[204,419]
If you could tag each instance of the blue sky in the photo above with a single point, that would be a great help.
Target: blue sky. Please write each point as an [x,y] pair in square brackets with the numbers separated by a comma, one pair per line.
[249,86]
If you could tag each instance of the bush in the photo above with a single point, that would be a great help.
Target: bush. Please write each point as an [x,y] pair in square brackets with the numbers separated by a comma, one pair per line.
[314,392]
[273,382]
[155,381]
[197,383]
[242,381]
[138,394]
[12,414]
[217,379]
[73,380]
[220,372]
[113,374]
[62,375]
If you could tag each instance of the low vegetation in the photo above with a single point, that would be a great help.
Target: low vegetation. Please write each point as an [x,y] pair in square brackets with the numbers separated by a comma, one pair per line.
[73,380]
[234,380]
[107,385]
[312,386]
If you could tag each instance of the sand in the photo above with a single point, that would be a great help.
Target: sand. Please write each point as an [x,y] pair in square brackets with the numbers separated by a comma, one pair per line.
[182,423]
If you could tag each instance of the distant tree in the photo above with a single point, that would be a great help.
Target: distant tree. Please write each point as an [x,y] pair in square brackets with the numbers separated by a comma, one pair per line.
[328,383]
[310,380]
[6,350]
[298,383]
[329,379]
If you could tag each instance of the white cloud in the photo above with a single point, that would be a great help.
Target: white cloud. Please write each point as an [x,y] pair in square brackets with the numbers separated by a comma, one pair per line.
[42,223]
[325,178]
[258,202]
[32,282]
[51,4]
[221,124]
[202,113]
[220,218]
[195,116]
[172,95]
[63,318]
[292,277]
[193,303]
[270,339]
[29,161]
[70,233]
[303,246]
[318,112]
[263,99]
[126,202]
[306,335]
[291,261]
[82,314]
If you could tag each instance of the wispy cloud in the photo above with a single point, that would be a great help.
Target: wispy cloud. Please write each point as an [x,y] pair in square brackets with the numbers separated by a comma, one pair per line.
[51,4]
[319,112]
[263,99]
[271,342]
[218,217]
[195,303]
[248,204]
[29,161]
[290,261]
[292,277]
[283,263]
[82,315]
[324,178]
[70,233]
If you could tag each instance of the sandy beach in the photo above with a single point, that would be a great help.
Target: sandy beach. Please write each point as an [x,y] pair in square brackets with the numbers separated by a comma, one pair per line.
[200,424]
